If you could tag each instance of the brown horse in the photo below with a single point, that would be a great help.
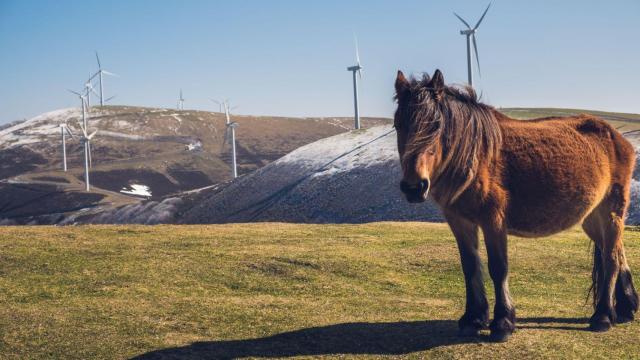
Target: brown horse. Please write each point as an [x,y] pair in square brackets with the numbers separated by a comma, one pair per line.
[527,178]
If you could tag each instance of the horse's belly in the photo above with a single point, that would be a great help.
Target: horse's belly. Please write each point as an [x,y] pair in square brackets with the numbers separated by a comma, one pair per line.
[544,210]
[543,221]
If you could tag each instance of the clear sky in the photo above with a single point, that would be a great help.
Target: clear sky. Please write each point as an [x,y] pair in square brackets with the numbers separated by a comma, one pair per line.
[289,57]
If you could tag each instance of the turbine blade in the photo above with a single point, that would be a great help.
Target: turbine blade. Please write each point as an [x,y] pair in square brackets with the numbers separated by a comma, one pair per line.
[475,50]
[109,73]
[111,98]
[482,17]
[94,91]
[84,131]
[92,135]
[98,58]
[360,73]
[68,131]
[94,76]
[355,39]
[73,92]
[461,19]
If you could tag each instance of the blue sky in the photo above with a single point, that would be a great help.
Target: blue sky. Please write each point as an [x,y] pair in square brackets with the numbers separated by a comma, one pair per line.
[282,57]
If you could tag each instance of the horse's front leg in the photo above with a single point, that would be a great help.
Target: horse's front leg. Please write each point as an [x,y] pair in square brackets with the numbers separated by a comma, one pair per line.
[476,315]
[504,314]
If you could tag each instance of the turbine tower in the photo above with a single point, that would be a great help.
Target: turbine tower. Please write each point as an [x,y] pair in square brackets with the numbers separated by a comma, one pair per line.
[230,136]
[85,139]
[64,130]
[100,73]
[88,89]
[356,69]
[470,33]
[181,101]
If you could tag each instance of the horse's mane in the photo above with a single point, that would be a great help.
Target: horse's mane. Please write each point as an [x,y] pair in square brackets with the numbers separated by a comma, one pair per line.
[466,130]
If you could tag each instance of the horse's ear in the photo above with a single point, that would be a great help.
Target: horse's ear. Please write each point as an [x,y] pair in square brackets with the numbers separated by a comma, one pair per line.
[437,83]
[402,85]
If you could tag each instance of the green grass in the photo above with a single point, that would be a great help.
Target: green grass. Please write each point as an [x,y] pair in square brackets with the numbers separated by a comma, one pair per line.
[279,290]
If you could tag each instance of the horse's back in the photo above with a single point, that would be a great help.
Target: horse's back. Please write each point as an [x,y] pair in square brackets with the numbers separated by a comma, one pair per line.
[556,170]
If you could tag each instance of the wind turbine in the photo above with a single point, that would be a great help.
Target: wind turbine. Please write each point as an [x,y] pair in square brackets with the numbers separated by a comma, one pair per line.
[64,129]
[85,139]
[470,33]
[356,69]
[181,101]
[230,132]
[100,73]
[219,105]
[88,89]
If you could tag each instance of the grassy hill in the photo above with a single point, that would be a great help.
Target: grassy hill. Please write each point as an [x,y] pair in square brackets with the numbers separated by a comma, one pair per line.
[276,290]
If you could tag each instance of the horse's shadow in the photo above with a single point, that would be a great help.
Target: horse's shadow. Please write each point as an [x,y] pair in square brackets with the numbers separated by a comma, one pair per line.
[348,338]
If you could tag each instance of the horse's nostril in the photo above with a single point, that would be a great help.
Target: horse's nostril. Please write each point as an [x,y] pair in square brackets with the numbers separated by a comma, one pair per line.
[420,187]
[424,185]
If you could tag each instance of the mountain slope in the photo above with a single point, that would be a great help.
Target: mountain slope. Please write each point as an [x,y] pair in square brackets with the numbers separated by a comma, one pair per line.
[160,151]
[348,178]
[351,177]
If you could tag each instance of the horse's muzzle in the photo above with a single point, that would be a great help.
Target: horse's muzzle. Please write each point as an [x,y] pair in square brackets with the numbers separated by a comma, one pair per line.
[415,193]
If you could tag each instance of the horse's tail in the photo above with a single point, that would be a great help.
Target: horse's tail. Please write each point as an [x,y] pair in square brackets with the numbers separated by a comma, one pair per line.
[597,275]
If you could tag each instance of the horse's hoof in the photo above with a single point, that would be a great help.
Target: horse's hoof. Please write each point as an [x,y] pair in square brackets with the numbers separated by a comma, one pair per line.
[468,331]
[621,319]
[600,326]
[499,336]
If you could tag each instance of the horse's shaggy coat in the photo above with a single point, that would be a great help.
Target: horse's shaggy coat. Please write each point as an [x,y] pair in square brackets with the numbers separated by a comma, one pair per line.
[528,178]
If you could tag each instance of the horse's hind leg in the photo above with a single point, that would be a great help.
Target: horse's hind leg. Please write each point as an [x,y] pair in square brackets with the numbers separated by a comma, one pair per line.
[604,226]
[626,295]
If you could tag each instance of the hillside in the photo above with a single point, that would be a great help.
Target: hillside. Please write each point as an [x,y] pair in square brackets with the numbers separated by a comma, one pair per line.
[282,290]
[349,178]
[161,151]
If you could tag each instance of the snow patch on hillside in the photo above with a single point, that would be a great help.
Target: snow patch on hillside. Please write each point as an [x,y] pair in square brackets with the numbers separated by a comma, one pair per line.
[137,189]
[35,129]
[340,153]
